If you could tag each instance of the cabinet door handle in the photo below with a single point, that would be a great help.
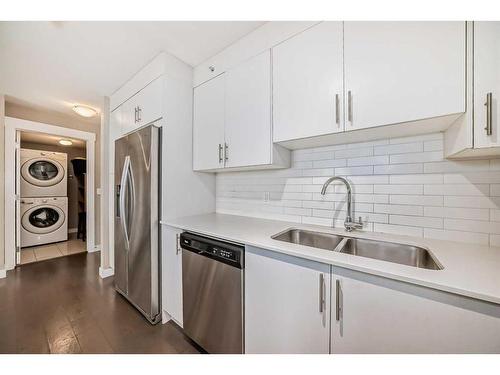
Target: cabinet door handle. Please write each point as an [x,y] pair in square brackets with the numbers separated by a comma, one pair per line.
[349,106]
[489,113]
[177,243]
[139,110]
[337,114]
[338,300]
[226,153]
[322,293]
[220,153]
[135,114]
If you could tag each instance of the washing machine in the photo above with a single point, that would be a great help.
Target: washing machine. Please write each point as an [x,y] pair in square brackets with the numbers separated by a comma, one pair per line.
[43,220]
[43,173]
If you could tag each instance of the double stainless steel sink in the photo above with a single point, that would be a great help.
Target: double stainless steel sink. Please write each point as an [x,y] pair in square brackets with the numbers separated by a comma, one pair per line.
[387,251]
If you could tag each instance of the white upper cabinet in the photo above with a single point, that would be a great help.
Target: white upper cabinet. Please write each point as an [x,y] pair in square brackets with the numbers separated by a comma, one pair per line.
[308,83]
[402,71]
[208,124]
[486,84]
[232,120]
[148,102]
[248,113]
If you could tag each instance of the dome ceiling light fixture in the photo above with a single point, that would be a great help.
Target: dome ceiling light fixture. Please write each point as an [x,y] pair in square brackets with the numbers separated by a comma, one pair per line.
[65,142]
[84,110]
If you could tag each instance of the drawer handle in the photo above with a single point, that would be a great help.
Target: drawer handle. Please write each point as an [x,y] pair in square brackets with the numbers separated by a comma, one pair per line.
[349,106]
[177,243]
[489,113]
[322,293]
[338,300]
[337,106]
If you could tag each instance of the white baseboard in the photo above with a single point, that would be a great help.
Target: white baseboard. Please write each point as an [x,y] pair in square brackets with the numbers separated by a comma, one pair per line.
[106,272]
[96,248]
[3,274]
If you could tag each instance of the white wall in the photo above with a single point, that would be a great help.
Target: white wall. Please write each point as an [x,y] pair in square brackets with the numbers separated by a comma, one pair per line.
[401,185]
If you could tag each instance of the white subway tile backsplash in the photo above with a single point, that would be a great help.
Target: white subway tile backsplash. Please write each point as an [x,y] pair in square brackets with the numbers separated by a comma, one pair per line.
[400,185]
[398,189]
[398,168]
[399,148]
[417,157]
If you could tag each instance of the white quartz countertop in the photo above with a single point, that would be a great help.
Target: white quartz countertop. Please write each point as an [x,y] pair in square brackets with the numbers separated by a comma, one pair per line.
[469,270]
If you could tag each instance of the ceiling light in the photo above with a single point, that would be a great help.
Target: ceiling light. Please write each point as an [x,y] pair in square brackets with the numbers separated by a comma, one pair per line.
[84,111]
[65,142]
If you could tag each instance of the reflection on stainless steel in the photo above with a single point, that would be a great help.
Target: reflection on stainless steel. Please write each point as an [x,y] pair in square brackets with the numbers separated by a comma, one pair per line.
[307,238]
[387,251]
[212,290]
[136,220]
[391,252]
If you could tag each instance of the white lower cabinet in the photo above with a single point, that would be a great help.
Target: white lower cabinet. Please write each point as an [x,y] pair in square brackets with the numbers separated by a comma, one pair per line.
[172,273]
[287,304]
[376,315]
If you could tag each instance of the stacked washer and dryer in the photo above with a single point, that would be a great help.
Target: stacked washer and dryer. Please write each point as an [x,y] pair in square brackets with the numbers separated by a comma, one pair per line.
[44,201]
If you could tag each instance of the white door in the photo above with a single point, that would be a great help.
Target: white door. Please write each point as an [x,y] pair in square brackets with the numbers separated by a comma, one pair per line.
[208,124]
[402,71]
[287,304]
[128,117]
[308,83]
[248,112]
[376,315]
[172,274]
[486,84]
[149,102]
[18,196]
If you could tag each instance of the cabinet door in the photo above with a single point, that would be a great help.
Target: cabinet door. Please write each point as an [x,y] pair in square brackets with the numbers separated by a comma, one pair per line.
[248,112]
[208,124]
[377,315]
[172,274]
[128,117]
[402,71]
[308,83]
[149,103]
[486,80]
[287,304]
[115,131]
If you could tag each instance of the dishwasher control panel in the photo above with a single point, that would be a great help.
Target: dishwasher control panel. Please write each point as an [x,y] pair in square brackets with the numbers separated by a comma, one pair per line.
[225,252]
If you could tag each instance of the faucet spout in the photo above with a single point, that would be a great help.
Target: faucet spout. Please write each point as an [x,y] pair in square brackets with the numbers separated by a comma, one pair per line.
[349,224]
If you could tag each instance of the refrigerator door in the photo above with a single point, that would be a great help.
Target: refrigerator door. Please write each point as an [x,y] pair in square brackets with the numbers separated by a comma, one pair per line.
[143,254]
[121,264]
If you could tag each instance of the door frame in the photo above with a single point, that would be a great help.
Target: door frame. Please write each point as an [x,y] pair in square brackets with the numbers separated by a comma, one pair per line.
[12,125]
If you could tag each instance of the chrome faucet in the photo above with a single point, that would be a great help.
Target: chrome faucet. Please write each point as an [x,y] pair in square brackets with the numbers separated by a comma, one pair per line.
[349,224]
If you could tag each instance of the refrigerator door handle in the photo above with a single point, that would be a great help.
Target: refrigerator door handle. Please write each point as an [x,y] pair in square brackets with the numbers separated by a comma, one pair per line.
[123,183]
[130,211]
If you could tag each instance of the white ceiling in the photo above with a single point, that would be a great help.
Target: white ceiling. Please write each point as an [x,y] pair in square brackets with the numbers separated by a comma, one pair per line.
[47,139]
[57,64]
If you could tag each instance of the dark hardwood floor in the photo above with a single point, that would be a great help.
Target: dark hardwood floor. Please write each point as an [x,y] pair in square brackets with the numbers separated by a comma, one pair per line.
[62,306]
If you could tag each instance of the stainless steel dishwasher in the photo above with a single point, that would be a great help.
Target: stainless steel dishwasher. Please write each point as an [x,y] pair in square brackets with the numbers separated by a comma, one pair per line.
[212,290]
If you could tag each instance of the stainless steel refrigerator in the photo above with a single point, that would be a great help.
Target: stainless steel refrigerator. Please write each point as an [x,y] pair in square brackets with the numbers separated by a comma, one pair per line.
[137,207]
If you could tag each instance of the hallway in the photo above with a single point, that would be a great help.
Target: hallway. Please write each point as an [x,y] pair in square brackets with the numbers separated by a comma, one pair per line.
[61,306]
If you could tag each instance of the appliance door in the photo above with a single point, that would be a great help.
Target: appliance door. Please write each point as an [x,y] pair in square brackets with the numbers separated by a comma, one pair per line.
[42,172]
[43,219]
[122,195]
[143,209]
[212,303]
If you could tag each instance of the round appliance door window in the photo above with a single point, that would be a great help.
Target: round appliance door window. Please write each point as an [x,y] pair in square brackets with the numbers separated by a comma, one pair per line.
[44,219]
[42,172]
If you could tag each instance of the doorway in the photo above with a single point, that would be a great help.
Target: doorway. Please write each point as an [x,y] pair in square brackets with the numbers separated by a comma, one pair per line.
[53,209]
[37,194]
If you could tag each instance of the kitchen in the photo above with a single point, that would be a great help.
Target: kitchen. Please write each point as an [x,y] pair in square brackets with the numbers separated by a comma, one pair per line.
[313,187]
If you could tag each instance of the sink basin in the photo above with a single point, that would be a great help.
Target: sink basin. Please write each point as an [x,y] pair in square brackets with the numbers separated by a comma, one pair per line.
[391,252]
[388,251]
[319,240]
